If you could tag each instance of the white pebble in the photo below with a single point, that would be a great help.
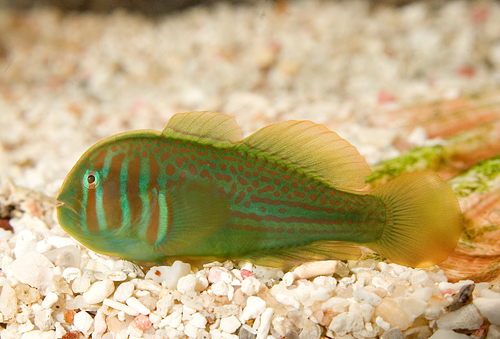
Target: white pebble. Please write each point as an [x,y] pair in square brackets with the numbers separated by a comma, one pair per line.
[169,274]
[186,284]
[81,284]
[99,291]
[346,322]
[43,317]
[124,291]
[466,317]
[255,306]
[316,268]
[265,323]
[71,273]
[116,276]
[49,300]
[83,322]
[220,288]
[361,295]
[37,334]
[191,331]
[490,308]
[382,324]
[120,307]
[25,243]
[289,278]
[198,320]
[321,294]
[99,324]
[250,286]
[8,302]
[413,306]
[448,334]
[172,320]
[33,269]
[287,300]
[229,324]
[137,305]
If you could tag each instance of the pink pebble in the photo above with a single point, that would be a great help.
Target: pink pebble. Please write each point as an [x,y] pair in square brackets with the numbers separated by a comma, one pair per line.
[246,273]
[142,322]
[448,291]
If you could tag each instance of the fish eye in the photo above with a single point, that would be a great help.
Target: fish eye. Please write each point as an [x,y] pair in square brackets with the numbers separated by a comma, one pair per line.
[91,179]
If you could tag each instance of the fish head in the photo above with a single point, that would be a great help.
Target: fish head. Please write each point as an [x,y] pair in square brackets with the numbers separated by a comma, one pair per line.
[88,202]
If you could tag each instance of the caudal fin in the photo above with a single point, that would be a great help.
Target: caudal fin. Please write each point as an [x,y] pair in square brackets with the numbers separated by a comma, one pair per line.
[423,220]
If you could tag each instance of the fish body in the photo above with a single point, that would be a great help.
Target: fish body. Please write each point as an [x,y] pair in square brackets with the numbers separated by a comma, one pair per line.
[291,192]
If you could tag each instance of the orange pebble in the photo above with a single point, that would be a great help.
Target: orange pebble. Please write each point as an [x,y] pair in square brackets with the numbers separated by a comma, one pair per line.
[142,322]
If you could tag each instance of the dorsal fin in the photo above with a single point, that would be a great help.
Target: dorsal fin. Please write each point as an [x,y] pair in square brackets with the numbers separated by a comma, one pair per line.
[315,149]
[204,125]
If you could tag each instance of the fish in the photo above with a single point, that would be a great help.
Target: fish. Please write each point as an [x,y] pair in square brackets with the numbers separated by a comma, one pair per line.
[289,193]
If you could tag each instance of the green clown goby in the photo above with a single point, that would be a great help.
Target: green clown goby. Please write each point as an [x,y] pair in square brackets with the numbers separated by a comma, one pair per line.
[289,193]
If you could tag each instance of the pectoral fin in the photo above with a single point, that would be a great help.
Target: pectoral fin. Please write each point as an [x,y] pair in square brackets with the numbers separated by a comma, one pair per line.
[196,212]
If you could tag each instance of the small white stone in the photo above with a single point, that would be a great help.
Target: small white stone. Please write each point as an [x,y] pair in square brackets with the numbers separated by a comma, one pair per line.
[186,283]
[26,327]
[99,291]
[33,269]
[321,294]
[229,324]
[490,308]
[220,288]
[169,274]
[336,304]
[67,256]
[361,295]
[487,293]
[43,318]
[250,286]
[81,284]
[71,273]
[137,305]
[289,278]
[172,320]
[150,286]
[367,311]
[37,334]
[413,306]
[265,323]
[198,320]
[255,306]
[178,270]
[49,300]
[287,300]
[8,302]
[99,324]
[120,307]
[83,322]
[116,276]
[124,291]
[466,317]
[191,331]
[346,322]
[493,332]
[448,334]
[382,324]
[25,243]
[316,268]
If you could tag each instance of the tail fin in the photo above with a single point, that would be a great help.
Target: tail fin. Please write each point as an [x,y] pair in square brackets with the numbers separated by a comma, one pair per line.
[423,220]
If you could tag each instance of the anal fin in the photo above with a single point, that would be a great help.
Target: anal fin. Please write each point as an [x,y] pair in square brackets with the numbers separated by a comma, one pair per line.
[320,250]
